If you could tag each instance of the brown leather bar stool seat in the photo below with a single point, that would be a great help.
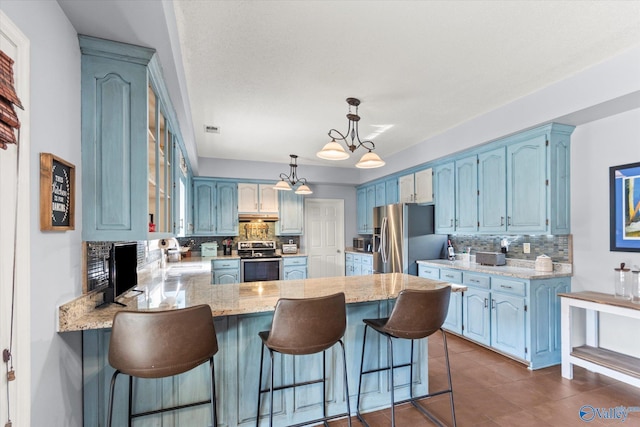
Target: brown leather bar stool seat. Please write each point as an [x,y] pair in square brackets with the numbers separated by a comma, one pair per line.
[159,344]
[300,327]
[417,314]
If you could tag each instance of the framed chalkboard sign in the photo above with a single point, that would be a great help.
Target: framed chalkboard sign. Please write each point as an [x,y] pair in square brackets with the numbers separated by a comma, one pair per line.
[57,193]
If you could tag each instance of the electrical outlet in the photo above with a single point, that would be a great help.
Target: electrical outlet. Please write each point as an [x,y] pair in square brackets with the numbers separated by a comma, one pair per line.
[526,248]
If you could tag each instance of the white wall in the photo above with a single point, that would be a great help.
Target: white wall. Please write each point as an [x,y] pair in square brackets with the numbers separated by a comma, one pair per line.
[56,369]
[595,147]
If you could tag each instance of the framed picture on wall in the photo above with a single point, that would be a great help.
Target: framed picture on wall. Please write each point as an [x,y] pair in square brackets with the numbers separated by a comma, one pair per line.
[624,205]
[57,193]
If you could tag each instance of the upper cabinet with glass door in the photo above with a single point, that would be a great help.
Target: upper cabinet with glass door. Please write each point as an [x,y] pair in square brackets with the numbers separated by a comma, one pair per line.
[128,136]
[160,175]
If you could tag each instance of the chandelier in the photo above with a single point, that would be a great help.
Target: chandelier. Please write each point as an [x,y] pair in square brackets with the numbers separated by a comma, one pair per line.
[287,182]
[334,151]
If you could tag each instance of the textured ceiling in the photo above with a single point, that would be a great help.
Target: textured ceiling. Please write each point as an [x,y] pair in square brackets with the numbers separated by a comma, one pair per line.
[274,75]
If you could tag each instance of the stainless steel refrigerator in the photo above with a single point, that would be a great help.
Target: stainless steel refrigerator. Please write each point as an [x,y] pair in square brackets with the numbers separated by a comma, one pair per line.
[402,234]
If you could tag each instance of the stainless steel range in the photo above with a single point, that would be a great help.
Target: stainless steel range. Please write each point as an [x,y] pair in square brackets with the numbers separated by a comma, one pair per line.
[259,261]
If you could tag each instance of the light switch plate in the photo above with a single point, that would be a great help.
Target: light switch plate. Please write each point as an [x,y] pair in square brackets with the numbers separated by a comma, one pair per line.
[526,248]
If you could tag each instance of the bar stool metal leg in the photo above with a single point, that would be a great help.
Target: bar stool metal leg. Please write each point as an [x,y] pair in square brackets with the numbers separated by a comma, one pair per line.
[214,414]
[260,385]
[364,342]
[346,382]
[393,400]
[446,358]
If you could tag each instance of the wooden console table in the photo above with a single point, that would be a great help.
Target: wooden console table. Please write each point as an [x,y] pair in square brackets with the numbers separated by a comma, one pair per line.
[590,356]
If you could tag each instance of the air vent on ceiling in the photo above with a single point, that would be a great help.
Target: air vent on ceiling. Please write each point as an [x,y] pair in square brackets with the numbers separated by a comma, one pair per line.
[211,129]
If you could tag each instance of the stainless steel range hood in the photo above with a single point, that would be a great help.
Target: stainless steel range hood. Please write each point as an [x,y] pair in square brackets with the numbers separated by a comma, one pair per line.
[257,217]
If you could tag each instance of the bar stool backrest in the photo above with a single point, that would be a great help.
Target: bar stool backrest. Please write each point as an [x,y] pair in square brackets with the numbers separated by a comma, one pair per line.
[157,344]
[418,313]
[307,326]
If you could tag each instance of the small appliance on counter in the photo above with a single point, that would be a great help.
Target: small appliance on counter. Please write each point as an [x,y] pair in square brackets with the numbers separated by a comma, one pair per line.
[490,258]
[289,248]
[209,249]
[362,244]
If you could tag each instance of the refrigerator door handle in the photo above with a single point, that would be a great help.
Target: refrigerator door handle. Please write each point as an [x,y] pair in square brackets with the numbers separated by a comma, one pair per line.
[383,240]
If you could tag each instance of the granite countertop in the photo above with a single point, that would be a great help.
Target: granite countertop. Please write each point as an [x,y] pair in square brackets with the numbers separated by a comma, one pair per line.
[522,269]
[188,283]
[357,252]
[236,256]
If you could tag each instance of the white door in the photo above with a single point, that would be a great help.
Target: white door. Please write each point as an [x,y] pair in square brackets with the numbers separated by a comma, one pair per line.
[324,237]
[15,237]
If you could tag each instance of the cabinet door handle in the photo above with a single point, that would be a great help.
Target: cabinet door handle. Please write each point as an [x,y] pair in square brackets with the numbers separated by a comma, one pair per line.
[506,287]
[486,303]
[501,220]
[493,304]
[474,280]
[457,222]
[451,222]
[508,220]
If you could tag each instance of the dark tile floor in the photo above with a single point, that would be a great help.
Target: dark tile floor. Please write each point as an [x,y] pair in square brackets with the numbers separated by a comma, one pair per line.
[492,390]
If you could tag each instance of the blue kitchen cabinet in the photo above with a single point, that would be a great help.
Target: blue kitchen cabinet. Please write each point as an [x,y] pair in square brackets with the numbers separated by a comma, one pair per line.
[365,202]
[215,207]
[381,194]
[361,210]
[466,194]
[227,208]
[128,130]
[444,182]
[391,190]
[453,322]
[492,202]
[476,315]
[371,203]
[358,264]
[508,317]
[538,181]
[366,264]
[294,268]
[544,347]
[348,264]
[225,271]
[526,186]
[291,215]
[204,205]
[428,272]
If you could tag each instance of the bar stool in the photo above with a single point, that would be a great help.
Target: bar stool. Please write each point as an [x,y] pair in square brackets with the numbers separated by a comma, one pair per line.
[300,327]
[159,344]
[417,314]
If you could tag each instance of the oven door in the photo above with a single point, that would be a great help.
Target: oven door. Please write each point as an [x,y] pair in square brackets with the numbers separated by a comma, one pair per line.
[260,269]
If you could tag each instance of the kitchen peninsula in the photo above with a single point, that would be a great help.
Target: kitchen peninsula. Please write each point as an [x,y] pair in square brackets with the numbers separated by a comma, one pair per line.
[241,311]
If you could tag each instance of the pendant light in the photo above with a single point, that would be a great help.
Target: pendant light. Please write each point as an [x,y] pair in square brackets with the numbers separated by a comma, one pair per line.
[287,182]
[334,150]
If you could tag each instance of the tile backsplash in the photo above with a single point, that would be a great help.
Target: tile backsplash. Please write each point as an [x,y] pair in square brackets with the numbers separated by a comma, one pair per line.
[557,247]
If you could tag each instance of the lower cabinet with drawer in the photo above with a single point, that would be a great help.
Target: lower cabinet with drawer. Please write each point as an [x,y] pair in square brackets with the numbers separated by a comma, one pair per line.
[294,268]
[358,264]
[517,317]
[225,271]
